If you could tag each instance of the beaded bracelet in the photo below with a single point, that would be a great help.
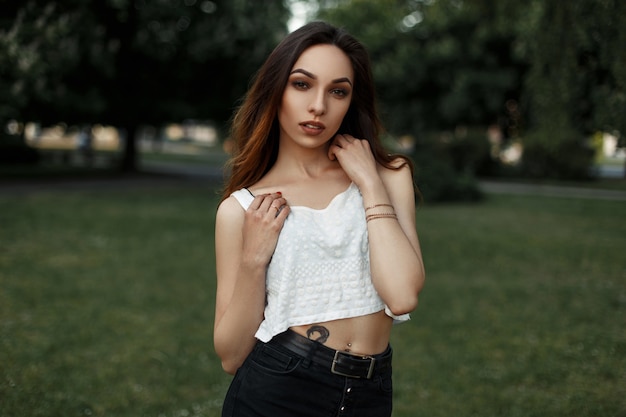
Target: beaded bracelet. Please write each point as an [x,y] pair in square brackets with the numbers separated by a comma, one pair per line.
[377,205]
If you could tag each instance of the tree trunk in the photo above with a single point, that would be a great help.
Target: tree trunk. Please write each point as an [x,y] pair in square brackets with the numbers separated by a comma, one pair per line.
[129,155]
[126,87]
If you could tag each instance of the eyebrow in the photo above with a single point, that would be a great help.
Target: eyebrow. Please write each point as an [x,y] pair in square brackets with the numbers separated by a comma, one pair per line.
[313,76]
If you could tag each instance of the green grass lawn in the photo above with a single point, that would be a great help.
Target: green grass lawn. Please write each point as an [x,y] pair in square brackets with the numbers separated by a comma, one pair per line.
[107,297]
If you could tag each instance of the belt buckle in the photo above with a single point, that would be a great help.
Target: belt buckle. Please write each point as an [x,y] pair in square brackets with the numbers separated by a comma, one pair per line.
[338,353]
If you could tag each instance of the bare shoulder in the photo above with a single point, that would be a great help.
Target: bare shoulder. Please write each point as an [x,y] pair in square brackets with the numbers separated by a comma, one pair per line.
[399,178]
[401,162]
[228,224]
[229,212]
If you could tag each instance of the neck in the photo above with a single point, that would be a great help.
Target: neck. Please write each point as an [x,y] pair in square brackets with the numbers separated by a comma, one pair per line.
[296,161]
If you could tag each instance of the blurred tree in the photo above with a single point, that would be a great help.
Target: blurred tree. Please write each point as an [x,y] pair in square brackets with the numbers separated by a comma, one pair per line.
[132,62]
[437,64]
[36,48]
[576,84]
[440,64]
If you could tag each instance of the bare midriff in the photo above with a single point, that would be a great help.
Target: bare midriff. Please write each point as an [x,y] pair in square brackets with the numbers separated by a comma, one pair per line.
[363,335]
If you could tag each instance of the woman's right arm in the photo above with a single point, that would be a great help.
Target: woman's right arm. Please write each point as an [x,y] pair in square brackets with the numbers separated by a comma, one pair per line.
[244,244]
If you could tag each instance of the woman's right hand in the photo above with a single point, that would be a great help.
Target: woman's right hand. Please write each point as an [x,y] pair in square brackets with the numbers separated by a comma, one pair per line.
[244,244]
[263,221]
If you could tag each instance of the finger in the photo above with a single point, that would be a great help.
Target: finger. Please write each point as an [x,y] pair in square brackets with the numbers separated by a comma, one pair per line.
[266,202]
[275,207]
[267,198]
[331,152]
[348,138]
[283,213]
[339,140]
[258,200]
[276,202]
[335,146]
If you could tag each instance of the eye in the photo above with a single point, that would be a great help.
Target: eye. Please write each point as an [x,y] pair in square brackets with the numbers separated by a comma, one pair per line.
[339,92]
[300,85]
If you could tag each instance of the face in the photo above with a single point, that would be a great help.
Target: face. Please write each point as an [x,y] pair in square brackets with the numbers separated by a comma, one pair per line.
[317,96]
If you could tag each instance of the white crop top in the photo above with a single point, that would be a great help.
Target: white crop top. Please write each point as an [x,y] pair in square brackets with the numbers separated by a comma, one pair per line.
[320,270]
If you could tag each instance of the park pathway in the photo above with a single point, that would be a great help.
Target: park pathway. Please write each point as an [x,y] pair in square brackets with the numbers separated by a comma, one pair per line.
[493,187]
[154,174]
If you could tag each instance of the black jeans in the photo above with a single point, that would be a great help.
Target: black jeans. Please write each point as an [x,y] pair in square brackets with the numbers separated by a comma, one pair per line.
[274,381]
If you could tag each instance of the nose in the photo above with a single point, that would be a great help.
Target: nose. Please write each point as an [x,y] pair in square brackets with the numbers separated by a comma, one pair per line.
[317,106]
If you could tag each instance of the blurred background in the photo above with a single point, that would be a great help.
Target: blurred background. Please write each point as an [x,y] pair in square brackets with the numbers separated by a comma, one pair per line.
[113,141]
[468,88]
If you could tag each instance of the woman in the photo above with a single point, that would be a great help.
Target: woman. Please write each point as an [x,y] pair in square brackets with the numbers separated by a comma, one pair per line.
[316,249]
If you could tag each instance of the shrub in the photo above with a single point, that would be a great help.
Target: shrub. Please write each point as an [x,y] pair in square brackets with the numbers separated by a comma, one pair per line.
[445,167]
[546,156]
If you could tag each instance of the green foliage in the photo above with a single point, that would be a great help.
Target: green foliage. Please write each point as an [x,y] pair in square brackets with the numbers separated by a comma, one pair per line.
[438,182]
[38,46]
[448,63]
[126,63]
[558,153]
[576,83]
[122,62]
[107,300]
[445,166]
[437,64]
[438,67]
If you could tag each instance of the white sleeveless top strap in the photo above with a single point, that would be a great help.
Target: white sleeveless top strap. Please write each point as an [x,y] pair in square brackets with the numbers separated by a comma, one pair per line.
[244,197]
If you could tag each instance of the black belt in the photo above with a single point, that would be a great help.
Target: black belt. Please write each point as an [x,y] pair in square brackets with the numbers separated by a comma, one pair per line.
[337,361]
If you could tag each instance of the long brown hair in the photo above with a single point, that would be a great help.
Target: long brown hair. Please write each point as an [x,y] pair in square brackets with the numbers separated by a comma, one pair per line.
[254,129]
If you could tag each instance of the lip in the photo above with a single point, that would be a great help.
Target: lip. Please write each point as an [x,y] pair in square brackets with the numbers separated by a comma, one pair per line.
[312,127]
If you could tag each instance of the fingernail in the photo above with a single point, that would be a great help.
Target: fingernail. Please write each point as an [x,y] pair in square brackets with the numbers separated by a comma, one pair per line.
[279,193]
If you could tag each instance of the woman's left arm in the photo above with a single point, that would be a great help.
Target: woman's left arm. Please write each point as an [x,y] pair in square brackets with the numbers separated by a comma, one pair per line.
[395,256]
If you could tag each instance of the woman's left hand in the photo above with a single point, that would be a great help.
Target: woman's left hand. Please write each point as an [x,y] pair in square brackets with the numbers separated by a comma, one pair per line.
[355,157]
